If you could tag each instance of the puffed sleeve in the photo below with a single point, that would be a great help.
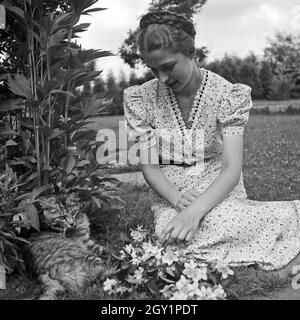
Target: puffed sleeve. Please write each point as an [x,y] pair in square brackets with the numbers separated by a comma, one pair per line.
[234,109]
[136,113]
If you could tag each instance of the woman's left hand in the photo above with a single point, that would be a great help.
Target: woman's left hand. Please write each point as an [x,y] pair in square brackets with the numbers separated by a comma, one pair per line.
[182,228]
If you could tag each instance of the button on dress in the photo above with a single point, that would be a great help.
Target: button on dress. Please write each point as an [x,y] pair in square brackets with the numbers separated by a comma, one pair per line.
[238,231]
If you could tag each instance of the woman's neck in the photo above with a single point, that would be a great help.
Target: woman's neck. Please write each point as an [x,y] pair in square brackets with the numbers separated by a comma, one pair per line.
[193,85]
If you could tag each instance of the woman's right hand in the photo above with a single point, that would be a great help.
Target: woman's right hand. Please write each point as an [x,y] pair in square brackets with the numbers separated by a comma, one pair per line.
[186,199]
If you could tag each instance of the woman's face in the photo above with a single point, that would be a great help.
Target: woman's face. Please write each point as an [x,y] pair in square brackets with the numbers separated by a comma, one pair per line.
[173,69]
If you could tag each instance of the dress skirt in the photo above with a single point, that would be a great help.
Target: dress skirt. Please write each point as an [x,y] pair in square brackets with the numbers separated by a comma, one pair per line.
[238,231]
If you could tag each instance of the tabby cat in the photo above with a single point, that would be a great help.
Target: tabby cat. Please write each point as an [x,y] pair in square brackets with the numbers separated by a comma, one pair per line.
[64,256]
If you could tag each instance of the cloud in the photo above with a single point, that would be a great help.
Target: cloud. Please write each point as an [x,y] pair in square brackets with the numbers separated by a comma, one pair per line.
[270,14]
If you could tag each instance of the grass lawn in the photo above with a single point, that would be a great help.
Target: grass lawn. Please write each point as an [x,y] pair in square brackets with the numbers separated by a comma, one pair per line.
[271,172]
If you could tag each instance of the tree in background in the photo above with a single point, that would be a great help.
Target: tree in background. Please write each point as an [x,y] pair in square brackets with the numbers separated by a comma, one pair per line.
[266,78]
[283,55]
[112,92]
[189,8]
[227,67]
[99,88]
[87,87]
[249,74]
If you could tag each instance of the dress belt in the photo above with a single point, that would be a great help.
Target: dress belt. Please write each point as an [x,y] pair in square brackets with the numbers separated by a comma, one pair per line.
[173,163]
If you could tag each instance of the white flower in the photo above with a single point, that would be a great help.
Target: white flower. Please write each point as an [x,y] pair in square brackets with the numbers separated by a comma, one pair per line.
[193,271]
[122,254]
[295,269]
[219,292]
[169,257]
[72,148]
[137,277]
[205,294]
[181,283]
[179,296]
[123,289]
[137,235]
[151,251]
[224,269]
[140,228]
[138,274]
[136,260]
[167,290]
[109,285]
[129,248]
[295,282]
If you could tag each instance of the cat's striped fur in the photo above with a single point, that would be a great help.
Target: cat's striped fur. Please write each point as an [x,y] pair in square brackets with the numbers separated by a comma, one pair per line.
[66,258]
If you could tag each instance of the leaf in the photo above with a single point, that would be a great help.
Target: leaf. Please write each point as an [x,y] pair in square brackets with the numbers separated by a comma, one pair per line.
[57,37]
[97,202]
[27,122]
[33,216]
[10,104]
[20,85]
[4,131]
[37,191]
[170,272]
[10,143]
[69,164]
[51,85]
[56,133]
[152,287]
[45,131]
[62,21]
[32,176]
[124,238]
[233,294]
[93,10]
[166,279]
[18,11]
[82,163]
[113,255]
[122,273]
[63,92]
[92,54]
[81,27]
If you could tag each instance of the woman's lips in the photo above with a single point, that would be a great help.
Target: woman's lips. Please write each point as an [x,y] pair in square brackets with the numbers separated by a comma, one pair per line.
[173,84]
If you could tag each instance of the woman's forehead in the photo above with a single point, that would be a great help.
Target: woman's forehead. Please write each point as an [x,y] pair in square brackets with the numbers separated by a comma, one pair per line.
[160,57]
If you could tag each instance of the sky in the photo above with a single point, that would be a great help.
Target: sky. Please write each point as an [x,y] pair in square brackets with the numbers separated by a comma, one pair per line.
[224,26]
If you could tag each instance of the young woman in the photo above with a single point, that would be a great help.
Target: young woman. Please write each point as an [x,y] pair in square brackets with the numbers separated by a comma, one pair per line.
[190,123]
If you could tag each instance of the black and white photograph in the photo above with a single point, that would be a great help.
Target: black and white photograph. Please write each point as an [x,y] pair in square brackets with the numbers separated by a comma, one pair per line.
[149,151]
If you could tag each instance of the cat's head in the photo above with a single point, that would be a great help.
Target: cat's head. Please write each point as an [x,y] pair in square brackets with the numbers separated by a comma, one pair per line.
[61,211]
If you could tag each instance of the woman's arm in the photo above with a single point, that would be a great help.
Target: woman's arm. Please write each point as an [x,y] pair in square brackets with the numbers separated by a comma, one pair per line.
[228,178]
[155,177]
[185,224]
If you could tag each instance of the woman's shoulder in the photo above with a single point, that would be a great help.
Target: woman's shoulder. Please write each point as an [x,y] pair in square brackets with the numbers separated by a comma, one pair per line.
[143,90]
[224,86]
[217,80]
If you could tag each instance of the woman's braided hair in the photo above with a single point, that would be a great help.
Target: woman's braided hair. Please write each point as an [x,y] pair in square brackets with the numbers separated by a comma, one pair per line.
[165,29]
[173,19]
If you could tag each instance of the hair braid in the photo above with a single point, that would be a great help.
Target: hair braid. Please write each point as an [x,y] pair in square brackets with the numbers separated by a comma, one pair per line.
[165,29]
[172,19]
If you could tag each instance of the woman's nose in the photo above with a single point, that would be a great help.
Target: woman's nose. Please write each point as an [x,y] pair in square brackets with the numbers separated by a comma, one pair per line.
[163,77]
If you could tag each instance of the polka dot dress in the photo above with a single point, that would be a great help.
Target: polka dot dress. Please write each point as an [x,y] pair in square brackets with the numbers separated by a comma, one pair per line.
[238,231]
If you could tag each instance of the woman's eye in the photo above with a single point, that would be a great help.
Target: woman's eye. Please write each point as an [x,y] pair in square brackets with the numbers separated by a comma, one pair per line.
[168,68]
